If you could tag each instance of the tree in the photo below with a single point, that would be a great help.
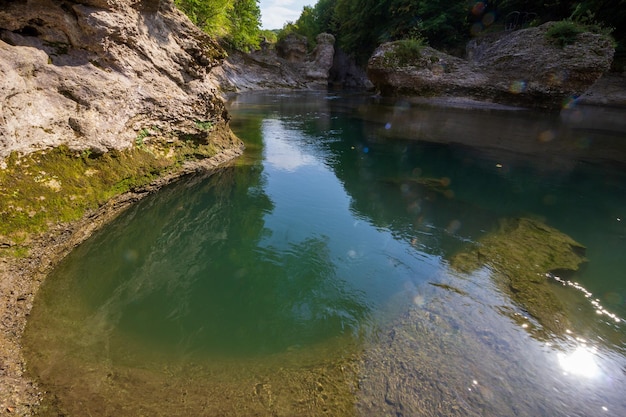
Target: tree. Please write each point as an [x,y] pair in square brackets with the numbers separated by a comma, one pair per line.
[244,17]
[209,15]
[235,21]
[362,25]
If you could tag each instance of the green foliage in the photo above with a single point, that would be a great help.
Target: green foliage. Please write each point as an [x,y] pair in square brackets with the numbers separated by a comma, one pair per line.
[361,25]
[564,33]
[270,36]
[244,31]
[306,24]
[237,22]
[209,15]
[405,51]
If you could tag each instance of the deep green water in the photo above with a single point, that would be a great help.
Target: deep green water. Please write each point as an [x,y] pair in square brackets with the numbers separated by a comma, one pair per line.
[312,276]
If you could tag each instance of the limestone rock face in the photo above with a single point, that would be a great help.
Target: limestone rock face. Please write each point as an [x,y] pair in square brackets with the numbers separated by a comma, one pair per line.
[292,48]
[91,74]
[287,67]
[520,68]
[322,57]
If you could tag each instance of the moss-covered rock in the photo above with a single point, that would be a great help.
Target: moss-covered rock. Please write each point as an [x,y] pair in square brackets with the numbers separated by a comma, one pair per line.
[521,253]
[60,185]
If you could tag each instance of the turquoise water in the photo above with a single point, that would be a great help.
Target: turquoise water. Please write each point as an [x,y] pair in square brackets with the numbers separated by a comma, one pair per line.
[313,277]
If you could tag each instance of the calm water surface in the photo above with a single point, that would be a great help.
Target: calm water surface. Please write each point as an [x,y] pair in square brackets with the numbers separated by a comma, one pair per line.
[313,276]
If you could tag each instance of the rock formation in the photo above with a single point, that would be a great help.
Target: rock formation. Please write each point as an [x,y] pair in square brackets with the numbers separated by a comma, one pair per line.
[322,58]
[519,68]
[345,73]
[124,78]
[292,48]
[91,74]
[288,66]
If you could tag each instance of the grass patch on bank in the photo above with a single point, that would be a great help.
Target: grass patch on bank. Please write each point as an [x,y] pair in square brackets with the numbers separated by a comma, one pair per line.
[59,185]
[564,33]
[405,52]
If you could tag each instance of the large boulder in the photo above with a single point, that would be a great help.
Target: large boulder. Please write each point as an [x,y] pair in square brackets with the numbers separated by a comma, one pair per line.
[520,68]
[91,74]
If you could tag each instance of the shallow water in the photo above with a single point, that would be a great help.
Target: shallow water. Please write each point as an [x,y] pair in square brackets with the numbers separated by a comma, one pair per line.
[313,276]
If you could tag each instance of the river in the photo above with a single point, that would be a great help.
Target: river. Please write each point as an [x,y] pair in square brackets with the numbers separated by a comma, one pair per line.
[320,274]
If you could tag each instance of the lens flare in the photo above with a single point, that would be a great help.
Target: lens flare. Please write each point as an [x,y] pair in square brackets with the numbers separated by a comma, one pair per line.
[476,29]
[517,87]
[488,18]
[478,8]
[546,136]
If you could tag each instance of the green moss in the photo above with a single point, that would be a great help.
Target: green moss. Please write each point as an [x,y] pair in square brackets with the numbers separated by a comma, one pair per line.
[520,253]
[143,133]
[60,185]
[204,125]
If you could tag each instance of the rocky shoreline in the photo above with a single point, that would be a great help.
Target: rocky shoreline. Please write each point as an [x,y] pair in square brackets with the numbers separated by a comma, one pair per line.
[120,74]
[20,278]
[120,89]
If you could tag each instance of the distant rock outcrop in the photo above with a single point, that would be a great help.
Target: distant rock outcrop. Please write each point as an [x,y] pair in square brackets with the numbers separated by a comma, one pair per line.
[292,48]
[520,68]
[288,66]
[322,60]
[91,74]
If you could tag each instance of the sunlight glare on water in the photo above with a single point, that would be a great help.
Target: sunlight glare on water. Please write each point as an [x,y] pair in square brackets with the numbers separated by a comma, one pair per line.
[580,362]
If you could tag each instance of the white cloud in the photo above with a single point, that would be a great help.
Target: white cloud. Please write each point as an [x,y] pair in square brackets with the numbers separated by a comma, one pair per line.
[275,13]
[282,151]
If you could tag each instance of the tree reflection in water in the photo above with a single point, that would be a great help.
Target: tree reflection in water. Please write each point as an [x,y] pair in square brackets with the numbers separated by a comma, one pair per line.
[260,290]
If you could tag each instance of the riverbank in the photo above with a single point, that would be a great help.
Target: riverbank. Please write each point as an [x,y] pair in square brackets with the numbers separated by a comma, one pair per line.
[20,278]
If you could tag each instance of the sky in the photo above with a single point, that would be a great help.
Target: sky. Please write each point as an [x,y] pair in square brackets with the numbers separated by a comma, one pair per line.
[275,13]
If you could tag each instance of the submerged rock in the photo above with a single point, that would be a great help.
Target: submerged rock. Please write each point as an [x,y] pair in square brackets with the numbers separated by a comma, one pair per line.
[520,254]
[519,68]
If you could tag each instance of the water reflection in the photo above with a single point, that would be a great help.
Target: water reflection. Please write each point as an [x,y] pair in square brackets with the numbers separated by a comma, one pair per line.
[315,278]
[182,286]
[439,199]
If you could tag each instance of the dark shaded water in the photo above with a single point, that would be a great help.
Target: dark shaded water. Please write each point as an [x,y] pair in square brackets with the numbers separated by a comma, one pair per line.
[313,277]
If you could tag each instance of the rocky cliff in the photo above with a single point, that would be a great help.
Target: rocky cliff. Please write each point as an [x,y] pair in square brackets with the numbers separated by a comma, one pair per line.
[520,68]
[93,74]
[288,66]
